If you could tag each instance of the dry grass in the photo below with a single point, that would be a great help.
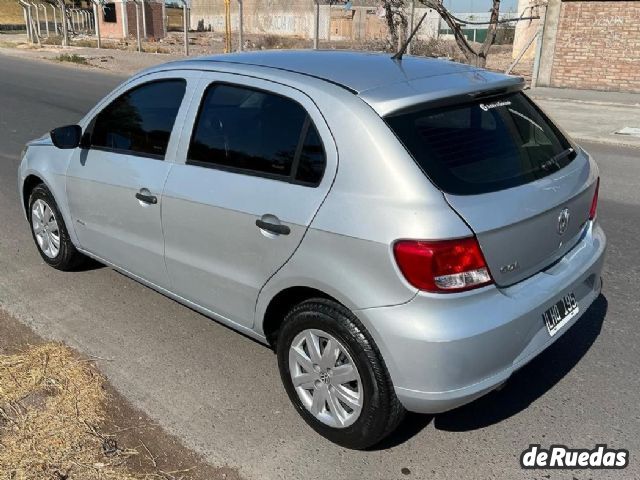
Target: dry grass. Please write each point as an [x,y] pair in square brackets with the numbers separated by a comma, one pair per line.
[51,406]
[72,58]
[11,13]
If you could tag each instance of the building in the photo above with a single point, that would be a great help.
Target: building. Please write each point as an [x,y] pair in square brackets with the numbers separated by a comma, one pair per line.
[477,32]
[356,20]
[118,19]
[526,30]
[588,44]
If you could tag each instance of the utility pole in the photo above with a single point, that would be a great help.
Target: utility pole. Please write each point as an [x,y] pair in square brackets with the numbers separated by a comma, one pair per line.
[96,17]
[316,25]
[185,26]
[240,28]
[227,26]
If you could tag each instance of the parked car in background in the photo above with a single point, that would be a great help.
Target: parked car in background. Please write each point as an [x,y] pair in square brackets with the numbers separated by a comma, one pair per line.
[405,234]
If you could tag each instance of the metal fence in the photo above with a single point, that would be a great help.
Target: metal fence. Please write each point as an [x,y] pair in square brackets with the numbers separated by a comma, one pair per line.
[44,20]
[305,23]
[214,26]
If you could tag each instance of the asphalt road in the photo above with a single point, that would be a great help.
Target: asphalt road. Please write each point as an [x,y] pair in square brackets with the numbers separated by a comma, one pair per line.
[220,392]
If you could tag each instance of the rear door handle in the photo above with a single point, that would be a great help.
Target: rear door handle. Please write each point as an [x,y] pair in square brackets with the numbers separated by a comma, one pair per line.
[146,198]
[273,227]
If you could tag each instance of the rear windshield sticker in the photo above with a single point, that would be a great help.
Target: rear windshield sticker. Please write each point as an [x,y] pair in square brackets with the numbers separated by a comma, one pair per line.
[488,106]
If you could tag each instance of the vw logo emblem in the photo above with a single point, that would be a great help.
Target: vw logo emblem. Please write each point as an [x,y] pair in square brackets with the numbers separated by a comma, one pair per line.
[563,221]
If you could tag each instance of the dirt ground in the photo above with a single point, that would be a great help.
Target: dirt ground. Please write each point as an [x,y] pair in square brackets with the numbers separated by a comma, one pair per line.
[151,453]
[11,13]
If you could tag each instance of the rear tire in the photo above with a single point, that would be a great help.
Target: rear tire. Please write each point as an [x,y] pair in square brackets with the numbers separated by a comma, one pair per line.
[50,233]
[357,406]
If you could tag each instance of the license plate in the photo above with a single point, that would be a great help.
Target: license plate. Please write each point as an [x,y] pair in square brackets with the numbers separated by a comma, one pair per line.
[560,313]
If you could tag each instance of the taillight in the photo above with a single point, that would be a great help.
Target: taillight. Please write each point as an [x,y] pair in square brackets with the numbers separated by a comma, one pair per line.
[444,265]
[594,202]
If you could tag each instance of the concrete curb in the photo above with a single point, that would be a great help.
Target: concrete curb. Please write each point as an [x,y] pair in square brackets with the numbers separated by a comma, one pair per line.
[606,141]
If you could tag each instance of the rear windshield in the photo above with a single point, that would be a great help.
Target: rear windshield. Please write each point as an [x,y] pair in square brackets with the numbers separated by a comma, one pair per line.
[483,146]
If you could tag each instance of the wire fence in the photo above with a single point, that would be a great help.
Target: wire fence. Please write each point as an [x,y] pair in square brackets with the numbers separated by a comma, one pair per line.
[216,26]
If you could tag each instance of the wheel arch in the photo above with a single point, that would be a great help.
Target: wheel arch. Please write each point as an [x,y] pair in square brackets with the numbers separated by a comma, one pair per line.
[56,184]
[280,305]
[29,183]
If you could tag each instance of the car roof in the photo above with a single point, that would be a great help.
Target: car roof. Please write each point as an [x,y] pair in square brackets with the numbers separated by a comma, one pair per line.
[386,84]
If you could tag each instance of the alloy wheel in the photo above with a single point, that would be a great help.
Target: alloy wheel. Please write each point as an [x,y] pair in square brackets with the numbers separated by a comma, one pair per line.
[45,228]
[325,378]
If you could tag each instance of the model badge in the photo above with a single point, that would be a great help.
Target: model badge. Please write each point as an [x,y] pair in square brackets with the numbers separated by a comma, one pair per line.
[510,268]
[563,221]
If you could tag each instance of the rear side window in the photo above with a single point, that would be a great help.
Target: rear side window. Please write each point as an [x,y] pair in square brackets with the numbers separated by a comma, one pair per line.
[312,159]
[483,146]
[256,132]
[140,121]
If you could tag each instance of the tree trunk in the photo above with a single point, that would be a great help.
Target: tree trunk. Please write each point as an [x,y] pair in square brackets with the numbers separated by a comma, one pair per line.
[473,57]
[393,32]
[397,22]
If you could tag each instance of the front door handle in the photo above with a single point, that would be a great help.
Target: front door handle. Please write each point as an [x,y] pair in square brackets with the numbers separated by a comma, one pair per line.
[273,227]
[146,198]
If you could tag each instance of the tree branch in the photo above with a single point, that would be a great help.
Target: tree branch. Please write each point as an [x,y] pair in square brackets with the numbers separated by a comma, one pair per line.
[492,30]
[464,45]
[503,20]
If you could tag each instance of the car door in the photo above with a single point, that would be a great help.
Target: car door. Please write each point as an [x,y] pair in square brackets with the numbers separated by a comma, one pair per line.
[258,161]
[115,179]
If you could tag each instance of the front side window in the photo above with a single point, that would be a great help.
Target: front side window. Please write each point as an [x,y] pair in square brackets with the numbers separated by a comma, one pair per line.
[256,132]
[483,146]
[140,121]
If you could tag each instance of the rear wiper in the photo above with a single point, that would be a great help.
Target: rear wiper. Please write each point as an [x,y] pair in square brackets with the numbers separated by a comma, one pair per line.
[556,158]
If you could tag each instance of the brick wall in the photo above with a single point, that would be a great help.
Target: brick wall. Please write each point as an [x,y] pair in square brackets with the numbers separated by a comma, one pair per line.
[111,29]
[153,14]
[598,46]
[155,21]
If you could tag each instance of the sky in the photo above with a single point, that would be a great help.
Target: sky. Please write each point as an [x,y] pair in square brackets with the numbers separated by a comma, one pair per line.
[468,6]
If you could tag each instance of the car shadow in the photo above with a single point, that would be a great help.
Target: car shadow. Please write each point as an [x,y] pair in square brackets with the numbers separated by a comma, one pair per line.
[88,265]
[412,424]
[533,380]
[521,390]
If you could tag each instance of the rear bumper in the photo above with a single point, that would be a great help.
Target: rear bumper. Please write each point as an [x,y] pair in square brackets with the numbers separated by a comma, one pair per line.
[443,351]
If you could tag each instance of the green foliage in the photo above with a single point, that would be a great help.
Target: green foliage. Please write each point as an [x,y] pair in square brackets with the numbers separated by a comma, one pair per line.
[73,58]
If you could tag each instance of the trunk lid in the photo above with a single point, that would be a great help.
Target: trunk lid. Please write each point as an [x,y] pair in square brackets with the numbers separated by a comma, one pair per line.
[522,187]
[519,229]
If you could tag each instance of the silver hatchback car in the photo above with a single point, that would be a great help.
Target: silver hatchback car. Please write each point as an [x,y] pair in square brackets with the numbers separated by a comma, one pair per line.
[405,234]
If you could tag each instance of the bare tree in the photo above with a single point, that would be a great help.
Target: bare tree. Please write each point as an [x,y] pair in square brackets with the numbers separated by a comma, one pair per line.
[477,57]
[474,57]
[397,22]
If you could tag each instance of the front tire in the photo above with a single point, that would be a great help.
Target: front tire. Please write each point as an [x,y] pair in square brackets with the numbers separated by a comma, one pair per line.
[49,231]
[335,376]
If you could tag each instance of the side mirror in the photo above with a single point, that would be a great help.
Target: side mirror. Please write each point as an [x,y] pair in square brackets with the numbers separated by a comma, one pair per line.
[66,137]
